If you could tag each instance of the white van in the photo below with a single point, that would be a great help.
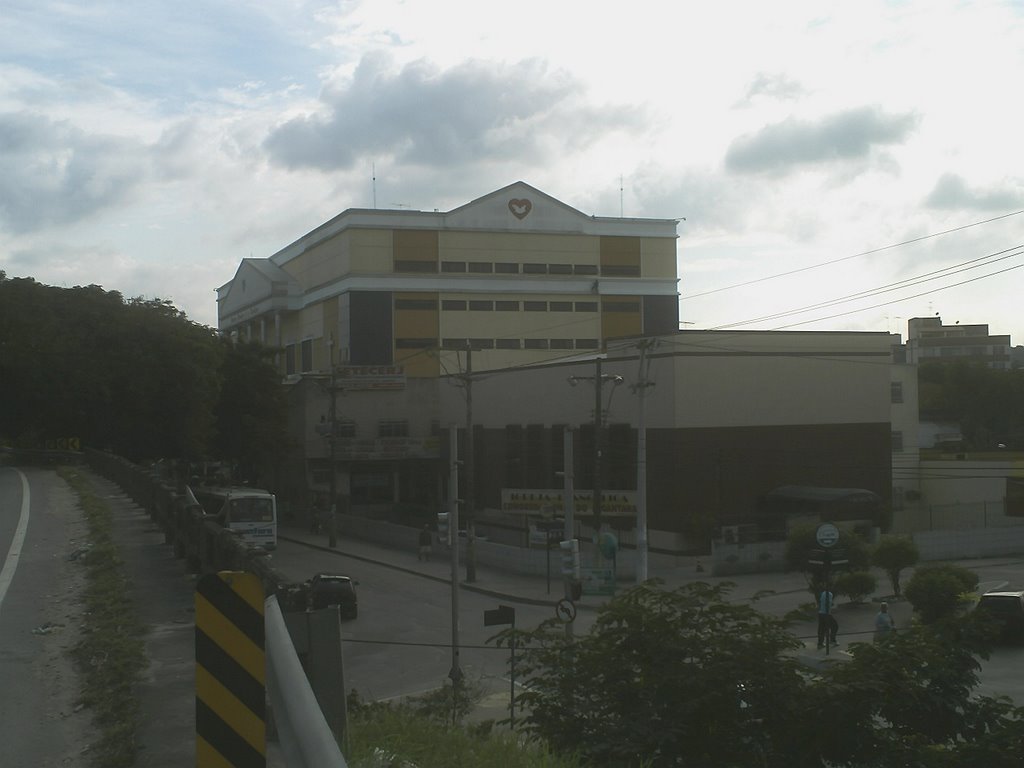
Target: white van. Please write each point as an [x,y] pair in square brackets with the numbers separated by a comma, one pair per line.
[250,513]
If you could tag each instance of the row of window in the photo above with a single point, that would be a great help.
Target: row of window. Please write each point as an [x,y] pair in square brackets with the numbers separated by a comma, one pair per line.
[514,268]
[501,305]
[460,343]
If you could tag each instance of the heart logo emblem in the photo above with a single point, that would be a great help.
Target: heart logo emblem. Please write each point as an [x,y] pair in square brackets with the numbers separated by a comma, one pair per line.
[520,208]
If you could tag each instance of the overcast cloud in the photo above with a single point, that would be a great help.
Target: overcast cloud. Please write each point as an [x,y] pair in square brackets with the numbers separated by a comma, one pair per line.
[150,147]
[474,112]
[54,173]
[849,135]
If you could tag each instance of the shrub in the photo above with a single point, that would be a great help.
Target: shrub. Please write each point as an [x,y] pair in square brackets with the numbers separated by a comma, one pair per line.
[894,553]
[855,584]
[938,590]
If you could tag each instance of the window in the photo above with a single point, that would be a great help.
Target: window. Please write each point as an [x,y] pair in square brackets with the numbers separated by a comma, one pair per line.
[453,266]
[560,306]
[586,343]
[535,306]
[307,355]
[506,306]
[429,304]
[897,442]
[535,269]
[344,428]
[535,343]
[896,391]
[481,306]
[508,344]
[586,306]
[561,343]
[481,267]
[453,343]
[506,268]
[453,305]
[585,269]
[481,343]
[289,359]
[559,269]
[392,428]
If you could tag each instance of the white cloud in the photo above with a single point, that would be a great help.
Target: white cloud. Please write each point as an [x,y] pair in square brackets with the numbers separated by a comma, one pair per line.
[148,148]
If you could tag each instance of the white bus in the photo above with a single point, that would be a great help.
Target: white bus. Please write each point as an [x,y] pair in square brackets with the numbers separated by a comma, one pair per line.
[250,513]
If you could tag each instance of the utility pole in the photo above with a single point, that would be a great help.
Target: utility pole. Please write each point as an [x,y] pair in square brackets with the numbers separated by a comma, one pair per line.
[641,460]
[470,466]
[569,509]
[599,380]
[453,538]
[332,522]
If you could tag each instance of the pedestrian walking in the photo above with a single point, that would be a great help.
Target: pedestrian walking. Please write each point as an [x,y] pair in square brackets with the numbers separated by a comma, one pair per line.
[884,623]
[426,539]
[827,624]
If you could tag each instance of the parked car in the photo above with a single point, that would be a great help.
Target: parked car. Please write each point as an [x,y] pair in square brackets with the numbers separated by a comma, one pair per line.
[1008,609]
[327,589]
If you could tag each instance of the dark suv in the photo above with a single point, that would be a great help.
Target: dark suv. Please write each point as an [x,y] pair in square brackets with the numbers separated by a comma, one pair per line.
[1008,609]
[331,589]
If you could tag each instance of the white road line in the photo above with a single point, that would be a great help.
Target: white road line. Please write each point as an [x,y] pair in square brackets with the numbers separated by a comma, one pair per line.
[11,561]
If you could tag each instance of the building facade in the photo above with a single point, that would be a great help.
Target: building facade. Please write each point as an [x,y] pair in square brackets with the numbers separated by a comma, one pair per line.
[728,416]
[372,307]
[928,340]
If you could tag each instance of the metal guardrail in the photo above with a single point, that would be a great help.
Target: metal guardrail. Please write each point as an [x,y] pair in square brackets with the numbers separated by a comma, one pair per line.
[306,738]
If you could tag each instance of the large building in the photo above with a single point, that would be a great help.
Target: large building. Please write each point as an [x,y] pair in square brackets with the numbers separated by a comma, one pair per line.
[391,300]
[516,274]
[928,340]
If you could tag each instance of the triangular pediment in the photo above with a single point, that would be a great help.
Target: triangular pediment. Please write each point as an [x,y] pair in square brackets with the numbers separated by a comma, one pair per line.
[253,283]
[517,207]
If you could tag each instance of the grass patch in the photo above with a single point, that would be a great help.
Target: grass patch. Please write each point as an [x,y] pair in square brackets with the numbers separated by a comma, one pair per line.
[110,655]
[399,736]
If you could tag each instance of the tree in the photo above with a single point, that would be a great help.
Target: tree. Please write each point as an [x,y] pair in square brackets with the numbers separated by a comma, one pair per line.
[855,584]
[685,678]
[892,554]
[664,675]
[937,590]
[801,542]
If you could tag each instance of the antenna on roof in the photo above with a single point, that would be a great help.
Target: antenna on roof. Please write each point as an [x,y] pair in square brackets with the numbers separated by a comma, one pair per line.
[620,196]
[373,171]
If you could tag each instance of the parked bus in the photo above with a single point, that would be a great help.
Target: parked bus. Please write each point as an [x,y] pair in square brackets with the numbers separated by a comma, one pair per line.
[250,512]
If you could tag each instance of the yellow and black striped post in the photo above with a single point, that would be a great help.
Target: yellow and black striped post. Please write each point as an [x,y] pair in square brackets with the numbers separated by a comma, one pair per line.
[230,672]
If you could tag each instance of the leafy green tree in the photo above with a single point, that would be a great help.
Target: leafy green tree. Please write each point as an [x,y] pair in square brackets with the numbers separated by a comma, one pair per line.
[685,678]
[911,702]
[855,584]
[937,590]
[892,554]
[679,677]
[251,417]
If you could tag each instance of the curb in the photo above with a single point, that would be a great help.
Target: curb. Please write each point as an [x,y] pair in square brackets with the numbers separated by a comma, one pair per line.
[432,577]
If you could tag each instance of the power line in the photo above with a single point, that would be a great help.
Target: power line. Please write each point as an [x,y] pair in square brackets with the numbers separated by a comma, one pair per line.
[852,256]
[976,263]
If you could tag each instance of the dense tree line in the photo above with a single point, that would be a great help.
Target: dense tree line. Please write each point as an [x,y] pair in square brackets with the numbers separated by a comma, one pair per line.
[987,403]
[133,376]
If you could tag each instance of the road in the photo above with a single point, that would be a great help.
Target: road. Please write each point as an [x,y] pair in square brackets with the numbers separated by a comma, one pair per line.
[39,533]
[401,642]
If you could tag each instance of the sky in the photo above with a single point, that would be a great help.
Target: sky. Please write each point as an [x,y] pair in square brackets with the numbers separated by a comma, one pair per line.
[833,166]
